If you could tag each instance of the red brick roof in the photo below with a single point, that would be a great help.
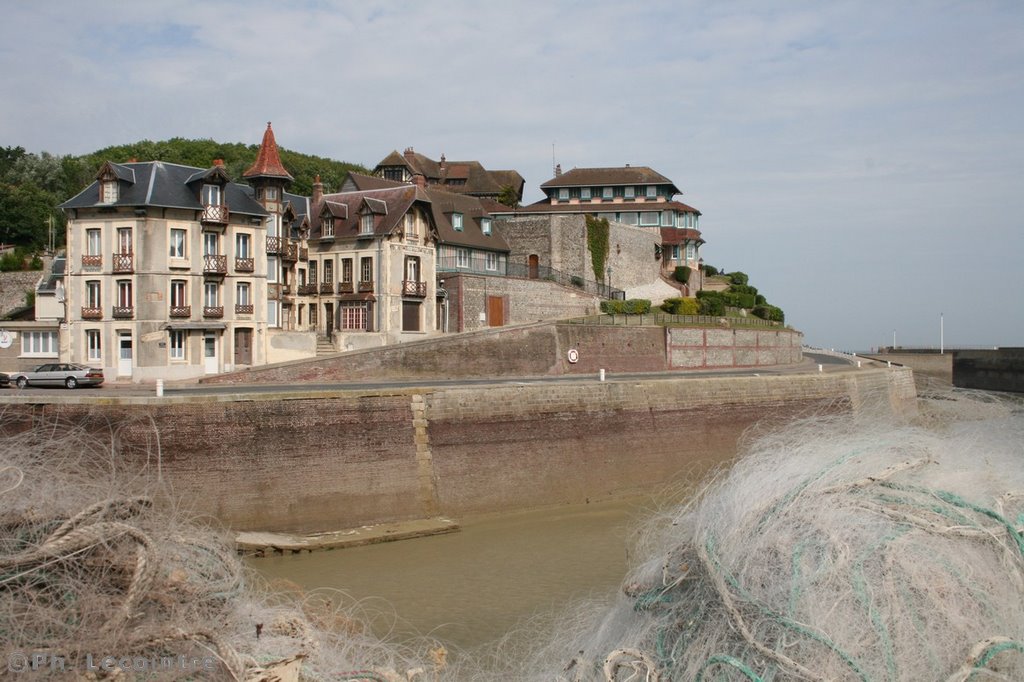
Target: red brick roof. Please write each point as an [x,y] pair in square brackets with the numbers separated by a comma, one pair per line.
[268,161]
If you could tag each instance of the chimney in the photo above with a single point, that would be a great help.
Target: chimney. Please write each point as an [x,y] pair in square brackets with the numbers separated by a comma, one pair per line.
[419,180]
[318,191]
[218,162]
[558,170]
[409,154]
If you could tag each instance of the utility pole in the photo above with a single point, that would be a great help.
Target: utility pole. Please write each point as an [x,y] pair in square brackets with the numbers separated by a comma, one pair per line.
[942,335]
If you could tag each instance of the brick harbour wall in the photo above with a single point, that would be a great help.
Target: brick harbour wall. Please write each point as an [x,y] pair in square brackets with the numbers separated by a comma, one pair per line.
[309,461]
[541,349]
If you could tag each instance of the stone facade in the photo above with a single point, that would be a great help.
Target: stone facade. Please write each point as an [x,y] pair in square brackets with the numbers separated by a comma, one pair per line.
[471,301]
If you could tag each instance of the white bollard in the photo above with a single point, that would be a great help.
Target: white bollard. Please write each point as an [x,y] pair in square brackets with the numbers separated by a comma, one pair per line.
[159,388]
[858,364]
[821,368]
[888,363]
[602,375]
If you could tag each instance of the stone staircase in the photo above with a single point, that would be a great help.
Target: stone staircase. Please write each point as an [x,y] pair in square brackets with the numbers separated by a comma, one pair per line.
[324,347]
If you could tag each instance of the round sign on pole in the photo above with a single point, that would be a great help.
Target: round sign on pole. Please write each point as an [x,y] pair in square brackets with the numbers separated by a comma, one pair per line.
[574,355]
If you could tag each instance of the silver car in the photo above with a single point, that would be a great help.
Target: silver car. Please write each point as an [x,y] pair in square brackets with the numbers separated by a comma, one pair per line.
[60,374]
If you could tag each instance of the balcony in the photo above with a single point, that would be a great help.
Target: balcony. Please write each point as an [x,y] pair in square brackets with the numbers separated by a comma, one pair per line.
[215,215]
[366,287]
[243,308]
[307,289]
[274,245]
[345,288]
[215,265]
[123,312]
[180,311]
[92,261]
[290,251]
[123,263]
[244,265]
[326,287]
[92,313]
[413,288]
[213,311]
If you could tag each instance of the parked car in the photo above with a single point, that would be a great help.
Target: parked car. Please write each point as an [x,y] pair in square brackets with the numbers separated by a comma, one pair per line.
[60,374]
[5,380]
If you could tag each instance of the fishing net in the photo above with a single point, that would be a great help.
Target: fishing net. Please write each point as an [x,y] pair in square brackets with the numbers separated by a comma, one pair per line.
[836,548]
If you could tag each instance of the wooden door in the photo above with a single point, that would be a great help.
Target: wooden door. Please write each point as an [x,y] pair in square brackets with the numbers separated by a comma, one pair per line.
[533,263]
[495,311]
[243,346]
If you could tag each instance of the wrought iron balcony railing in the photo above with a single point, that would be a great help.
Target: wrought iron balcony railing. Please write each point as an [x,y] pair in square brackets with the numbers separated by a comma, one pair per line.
[326,287]
[243,308]
[123,263]
[214,264]
[180,311]
[414,288]
[215,214]
[92,313]
[213,311]
[244,265]
[366,287]
[92,261]
[274,245]
[307,289]
[346,287]
[122,312]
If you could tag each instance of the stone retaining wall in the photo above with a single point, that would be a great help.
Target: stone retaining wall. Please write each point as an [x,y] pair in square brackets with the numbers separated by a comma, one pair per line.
[310,461]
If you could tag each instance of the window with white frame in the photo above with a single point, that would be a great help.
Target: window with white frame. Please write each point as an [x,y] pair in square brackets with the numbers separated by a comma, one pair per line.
[629,218]
[93,351]
[607,192]
[650,217]
[270,193]
[272,318]
[93,242]
[491,262]
[242,294]
[243,245]
[667,218]
[329,271]
[211,195]
[629,192]
[211,295]
[124,294]
[652,191]
[353,316]
[93,294]
[366,269]
[177,344]
[327,226]
[691,251]
[585,193]
[462,258]
[39,344]
[411,229]
[124,240]
[177,243]
[485,225]
[273,225]
[366,224]
[346,270]
[211,244]
[272,269]
[179,295]
[412,268]
[563,194]
[457,222]
[675,252]
[109,192]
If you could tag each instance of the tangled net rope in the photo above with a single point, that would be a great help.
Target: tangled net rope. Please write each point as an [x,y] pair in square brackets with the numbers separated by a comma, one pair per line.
[837,549]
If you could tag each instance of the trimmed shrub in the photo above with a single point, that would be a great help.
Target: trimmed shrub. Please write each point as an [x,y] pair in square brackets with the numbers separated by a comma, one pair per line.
[634,306]
[738,300]
[682,273]
[711,305]
[738,277]
[743,289]
[680,306]
[769,312]
[760,300]
[710,270]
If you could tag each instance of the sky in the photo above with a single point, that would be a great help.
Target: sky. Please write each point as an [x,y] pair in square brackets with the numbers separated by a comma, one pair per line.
[862,162]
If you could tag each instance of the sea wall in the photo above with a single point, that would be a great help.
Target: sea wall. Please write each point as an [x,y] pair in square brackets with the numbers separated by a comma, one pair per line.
[991,370]
[541,349]
[309,461]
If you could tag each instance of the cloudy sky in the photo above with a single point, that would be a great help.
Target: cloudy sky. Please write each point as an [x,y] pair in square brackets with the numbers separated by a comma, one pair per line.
[863,162]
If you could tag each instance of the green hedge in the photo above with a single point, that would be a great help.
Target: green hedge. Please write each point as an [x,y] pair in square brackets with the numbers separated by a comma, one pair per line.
[680,306]
[682,273]
[634,306]
[770,312]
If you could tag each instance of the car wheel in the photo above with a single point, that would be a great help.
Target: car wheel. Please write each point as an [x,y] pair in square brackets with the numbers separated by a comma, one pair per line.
[22,382]
[71,382]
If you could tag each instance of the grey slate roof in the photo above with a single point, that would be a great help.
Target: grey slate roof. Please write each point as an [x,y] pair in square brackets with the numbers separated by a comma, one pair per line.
[165,185]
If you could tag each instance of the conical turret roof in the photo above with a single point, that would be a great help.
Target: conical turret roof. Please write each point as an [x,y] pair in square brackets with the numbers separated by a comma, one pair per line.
[268,161]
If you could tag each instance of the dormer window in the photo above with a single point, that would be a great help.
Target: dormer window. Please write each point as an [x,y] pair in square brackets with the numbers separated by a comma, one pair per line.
[563,194]
[630,192]
[607,192]
[211,195]
[108,191]
[457,222]
[328,226]
[652,191]
[366,224]
[485,225]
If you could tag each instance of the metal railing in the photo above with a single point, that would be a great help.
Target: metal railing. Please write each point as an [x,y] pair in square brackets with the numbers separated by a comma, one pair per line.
[213,311]
[216,214]
[215,265]
[92,261]
[92,313]
[123,262]
[245,265]
[180,311]
[666,320]
[539,272]
[414,288]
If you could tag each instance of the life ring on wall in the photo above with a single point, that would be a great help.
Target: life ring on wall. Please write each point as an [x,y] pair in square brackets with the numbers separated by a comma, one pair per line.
[573,355]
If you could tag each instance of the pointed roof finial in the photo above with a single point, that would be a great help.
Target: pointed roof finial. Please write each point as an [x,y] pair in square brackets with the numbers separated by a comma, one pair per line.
[268,161]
